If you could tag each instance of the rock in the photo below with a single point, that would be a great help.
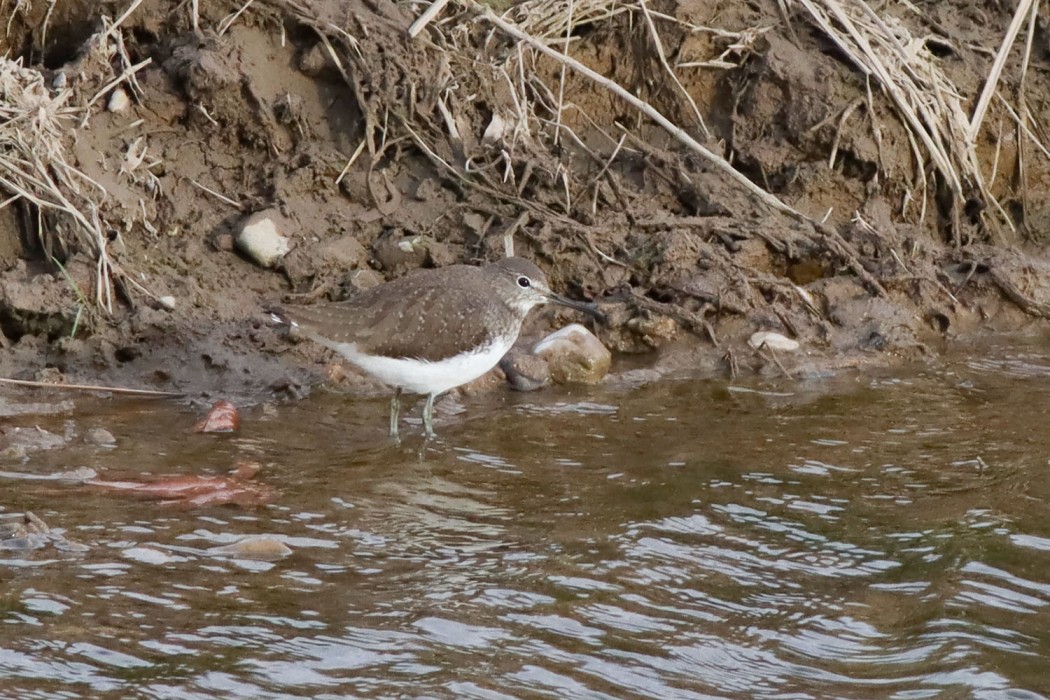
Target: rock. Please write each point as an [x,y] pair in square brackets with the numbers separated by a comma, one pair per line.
[773,341]
[574,355]
[334,256]
[75,474]
[167,302]
[224,242]
[494,131]
[356,281]
[260,547]
[426,190]
[118,100]
[654,331]
[315,60]
[100,437]
[23,441]
[15,453]
[8,409]
[394,251]
[344,253]
[261,241]
[25,531]
[525,371]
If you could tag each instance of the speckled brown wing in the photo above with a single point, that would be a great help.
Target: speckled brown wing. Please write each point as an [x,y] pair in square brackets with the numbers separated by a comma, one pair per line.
[428,316]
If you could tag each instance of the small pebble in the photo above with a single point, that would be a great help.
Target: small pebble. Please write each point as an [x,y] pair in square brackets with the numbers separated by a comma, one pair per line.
[494,131]
[168,302]
[224,242]
[260,240]
[118,101]
[654,331]
[23,543]
[15,453]
[773,341]
[64,545]
[100,437]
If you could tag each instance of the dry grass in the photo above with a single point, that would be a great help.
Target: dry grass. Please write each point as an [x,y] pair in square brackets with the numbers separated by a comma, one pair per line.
[932,108]
[35,167]
[37,127]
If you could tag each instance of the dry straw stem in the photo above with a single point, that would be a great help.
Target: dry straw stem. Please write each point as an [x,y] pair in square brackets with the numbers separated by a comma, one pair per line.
[227,22]
[90,387]
[1025,8]
[550,21]
[427,17]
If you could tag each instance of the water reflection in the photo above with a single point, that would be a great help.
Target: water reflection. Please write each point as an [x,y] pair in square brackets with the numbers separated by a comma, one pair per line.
[856,537]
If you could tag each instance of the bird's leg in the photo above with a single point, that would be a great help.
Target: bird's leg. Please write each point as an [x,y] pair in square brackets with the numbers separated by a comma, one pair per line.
[428,416]
[395,408]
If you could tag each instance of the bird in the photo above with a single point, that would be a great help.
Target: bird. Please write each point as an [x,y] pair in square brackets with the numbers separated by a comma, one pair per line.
[432,329]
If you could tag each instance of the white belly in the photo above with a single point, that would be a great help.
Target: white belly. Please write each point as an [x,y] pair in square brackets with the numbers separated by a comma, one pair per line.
[421,377]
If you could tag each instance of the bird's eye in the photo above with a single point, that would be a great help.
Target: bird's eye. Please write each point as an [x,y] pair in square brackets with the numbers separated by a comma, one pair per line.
[524,282]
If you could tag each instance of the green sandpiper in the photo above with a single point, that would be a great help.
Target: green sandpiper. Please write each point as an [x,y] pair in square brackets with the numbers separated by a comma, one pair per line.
[431,330]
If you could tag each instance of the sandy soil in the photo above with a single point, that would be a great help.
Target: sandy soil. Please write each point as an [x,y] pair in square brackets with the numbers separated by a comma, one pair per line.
[685,262]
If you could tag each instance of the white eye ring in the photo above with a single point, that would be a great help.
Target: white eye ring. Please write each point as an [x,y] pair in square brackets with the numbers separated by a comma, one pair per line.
[524,282]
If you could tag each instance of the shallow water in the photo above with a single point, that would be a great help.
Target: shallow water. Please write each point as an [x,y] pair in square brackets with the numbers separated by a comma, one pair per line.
[863,536]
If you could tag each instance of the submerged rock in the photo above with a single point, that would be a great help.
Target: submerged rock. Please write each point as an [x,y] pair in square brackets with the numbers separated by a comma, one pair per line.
[25,532]
[100,437]
[259,547]
[16,443]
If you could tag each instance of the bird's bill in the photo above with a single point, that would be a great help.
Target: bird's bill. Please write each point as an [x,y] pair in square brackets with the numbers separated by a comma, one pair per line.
[586,307]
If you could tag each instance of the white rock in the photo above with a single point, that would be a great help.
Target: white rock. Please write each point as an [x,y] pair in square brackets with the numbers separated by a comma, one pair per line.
[118,100]
[773,341]
[260,240]
[494,131]
[562,337]
[574,355]
[168,302]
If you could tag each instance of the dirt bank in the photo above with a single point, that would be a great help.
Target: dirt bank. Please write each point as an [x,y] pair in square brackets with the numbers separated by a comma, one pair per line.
[379,153]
